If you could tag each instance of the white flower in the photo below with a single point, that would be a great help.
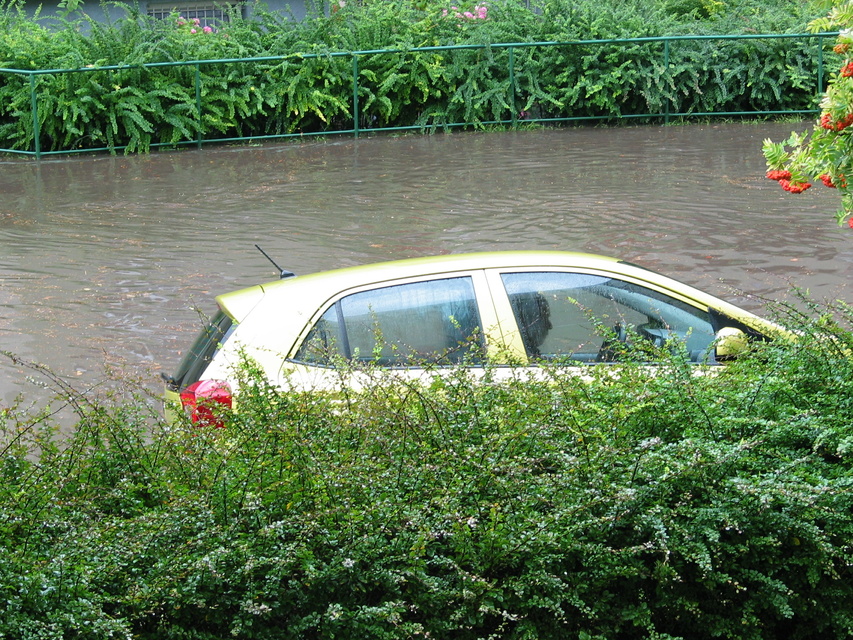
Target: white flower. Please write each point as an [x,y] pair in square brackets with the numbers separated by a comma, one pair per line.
[650,442]
[254,608]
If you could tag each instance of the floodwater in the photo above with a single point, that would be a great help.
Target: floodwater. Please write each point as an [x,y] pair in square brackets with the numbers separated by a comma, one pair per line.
[105,262]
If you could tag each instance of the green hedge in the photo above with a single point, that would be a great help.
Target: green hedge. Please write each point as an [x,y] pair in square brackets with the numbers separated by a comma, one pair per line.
[137,108]
[637,504]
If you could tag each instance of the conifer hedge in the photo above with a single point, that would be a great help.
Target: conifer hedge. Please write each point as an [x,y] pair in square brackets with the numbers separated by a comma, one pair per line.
[309,87]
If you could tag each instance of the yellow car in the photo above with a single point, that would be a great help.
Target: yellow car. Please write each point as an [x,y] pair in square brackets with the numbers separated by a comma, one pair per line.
[510,309]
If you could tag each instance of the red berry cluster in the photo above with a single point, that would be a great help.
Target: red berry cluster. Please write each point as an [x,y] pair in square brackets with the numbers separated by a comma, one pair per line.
[827,123]
[794,187]
[783,177]
[779,174]
[841,47]
[834,184]
[847,70]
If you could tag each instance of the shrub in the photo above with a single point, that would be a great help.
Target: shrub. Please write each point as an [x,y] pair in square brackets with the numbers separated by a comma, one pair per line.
[310,89]
[637,503]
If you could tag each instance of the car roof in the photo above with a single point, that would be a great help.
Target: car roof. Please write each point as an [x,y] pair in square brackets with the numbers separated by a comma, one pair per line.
[239,302]
[313,289]
[411,267]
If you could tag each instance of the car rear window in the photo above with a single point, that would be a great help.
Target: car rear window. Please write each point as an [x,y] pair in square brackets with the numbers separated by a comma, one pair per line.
[413,324]
[208,342]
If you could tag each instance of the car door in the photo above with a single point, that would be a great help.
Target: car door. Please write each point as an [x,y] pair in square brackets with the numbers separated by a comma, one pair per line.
[589,317]
[412,325]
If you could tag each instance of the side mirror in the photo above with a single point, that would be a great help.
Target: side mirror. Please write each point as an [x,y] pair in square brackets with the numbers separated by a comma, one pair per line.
[730,342]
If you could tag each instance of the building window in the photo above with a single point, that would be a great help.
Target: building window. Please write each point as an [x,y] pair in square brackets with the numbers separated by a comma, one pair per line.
[207,14]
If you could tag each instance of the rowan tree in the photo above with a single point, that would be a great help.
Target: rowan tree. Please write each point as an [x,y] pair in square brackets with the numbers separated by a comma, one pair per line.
[825,153]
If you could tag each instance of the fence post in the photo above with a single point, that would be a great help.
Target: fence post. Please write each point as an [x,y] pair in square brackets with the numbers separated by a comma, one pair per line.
[666,67]
[820,86]
[198,103]
[355,94]
[35,109]
[513,110]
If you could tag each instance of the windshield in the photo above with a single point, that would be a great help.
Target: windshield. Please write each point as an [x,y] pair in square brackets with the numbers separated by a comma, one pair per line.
[208,342]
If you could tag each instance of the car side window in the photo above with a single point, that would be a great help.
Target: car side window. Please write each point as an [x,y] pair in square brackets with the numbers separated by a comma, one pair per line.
[583,317]
[435,321]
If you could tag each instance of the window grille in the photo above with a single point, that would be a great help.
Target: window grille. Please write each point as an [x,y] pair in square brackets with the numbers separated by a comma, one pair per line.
[208,14]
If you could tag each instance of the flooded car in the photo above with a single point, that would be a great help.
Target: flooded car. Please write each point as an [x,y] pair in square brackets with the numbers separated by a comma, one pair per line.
[506,309]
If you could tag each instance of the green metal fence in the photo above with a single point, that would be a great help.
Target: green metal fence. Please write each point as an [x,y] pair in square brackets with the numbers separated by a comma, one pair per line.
[32,77]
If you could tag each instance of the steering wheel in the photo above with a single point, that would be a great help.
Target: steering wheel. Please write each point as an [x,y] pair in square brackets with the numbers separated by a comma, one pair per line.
[612,345]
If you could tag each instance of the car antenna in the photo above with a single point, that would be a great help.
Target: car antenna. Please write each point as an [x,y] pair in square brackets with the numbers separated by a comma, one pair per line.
[282,273]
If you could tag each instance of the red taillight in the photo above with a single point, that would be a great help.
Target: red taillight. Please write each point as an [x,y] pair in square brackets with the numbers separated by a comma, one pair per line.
[205,400]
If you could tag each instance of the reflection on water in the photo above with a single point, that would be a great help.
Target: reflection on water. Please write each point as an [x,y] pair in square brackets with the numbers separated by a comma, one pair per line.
[105,260]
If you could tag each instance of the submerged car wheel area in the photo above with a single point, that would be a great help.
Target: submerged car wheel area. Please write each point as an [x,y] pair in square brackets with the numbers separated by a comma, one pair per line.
[513,309]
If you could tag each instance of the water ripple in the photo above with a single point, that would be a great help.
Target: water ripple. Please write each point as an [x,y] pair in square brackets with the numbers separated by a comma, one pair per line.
[109,259]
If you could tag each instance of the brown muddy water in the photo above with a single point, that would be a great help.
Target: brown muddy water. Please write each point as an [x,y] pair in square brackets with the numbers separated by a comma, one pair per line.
[105,261]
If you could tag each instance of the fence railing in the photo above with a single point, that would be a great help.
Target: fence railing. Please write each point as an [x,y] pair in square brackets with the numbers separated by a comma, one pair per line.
[513,119]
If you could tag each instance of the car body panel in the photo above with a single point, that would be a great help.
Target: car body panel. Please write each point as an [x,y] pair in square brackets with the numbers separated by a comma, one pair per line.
[273,320]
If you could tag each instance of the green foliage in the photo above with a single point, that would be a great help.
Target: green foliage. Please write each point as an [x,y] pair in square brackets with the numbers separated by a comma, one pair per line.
[825,153]
[309,89]
[628,502]
[696,8]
